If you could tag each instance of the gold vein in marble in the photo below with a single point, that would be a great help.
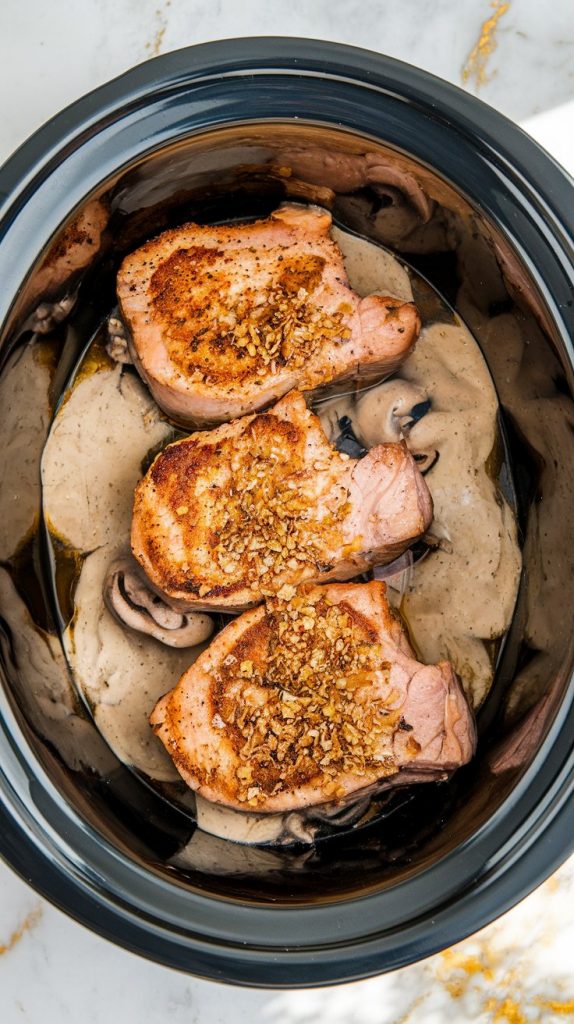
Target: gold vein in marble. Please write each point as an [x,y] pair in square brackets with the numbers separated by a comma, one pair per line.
[506,1012]
[558,1006]
[154,46]
[456,968]
[407,1016]
[489,971]
[29,922]
[477,60]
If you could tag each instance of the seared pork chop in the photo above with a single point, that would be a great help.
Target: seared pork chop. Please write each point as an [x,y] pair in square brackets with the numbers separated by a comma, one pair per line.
[226,319]
[226,517]
[310,699]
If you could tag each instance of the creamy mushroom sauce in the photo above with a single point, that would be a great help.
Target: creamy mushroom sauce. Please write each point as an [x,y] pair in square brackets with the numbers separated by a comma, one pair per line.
[460,597]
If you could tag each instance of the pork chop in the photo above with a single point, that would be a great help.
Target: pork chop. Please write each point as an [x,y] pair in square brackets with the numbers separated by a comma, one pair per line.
[309,700]
[226,319]
[226,517]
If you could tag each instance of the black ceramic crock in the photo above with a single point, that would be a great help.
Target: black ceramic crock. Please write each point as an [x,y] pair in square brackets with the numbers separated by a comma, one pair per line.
[470,201]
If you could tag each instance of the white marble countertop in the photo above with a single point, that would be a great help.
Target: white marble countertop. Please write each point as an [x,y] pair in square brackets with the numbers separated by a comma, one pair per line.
[520,969]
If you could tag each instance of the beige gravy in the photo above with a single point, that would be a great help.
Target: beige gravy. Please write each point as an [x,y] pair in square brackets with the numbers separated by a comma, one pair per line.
[462,595]
[457,598]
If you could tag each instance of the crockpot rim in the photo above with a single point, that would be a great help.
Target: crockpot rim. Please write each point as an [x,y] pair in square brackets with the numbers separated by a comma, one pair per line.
[265,973]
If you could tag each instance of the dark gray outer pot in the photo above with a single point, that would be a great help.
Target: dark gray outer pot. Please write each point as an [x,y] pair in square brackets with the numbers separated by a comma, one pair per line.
[356,911]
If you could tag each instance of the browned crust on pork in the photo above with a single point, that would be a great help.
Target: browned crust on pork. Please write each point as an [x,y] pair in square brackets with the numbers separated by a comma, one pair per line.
[308,699]
[224,319]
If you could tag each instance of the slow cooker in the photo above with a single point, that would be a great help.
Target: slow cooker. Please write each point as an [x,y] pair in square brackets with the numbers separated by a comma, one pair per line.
[231,129]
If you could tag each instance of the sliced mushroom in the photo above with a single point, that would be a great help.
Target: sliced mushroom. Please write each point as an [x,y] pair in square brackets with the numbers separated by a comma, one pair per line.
[389,411]
[346,813]
[438,539]
[347,441]
[426,460]
[416,413]
[117,345]
[133,603]
[295,188]
[398,574]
